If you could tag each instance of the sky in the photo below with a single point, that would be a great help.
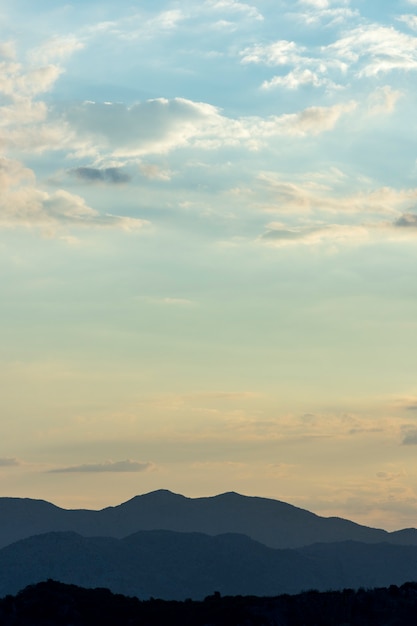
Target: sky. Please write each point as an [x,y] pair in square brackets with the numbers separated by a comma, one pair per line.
[208,252]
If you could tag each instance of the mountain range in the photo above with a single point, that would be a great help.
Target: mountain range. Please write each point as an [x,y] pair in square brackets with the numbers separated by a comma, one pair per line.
[274,523]
[176,566]
[165,545]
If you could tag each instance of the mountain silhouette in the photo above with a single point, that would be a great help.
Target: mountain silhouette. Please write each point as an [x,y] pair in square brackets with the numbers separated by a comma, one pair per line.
[271,522]
[170,565]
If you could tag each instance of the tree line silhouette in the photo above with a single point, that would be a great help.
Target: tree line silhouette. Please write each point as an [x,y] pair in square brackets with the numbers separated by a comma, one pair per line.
[53,603]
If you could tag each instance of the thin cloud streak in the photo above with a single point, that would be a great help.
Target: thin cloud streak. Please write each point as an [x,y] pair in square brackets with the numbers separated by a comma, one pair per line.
[127,466]
[9,462]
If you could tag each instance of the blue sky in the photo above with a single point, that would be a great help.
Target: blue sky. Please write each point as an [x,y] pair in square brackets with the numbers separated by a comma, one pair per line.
[208,236]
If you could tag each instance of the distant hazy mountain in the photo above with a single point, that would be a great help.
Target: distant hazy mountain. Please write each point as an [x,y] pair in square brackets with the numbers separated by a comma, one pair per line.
[271,522]
[170,565]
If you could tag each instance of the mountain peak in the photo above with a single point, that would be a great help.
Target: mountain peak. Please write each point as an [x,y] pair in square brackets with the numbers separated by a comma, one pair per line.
[159,496]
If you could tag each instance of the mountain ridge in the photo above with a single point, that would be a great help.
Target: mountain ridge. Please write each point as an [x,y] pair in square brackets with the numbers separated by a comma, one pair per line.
[272,522]
[175,566]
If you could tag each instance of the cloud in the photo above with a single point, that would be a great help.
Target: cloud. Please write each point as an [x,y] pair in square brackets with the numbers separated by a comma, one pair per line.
[139,25]
[390,476]
[307,69]
[56,49]
[365,51]
[107,466]
[297,78]
[335,233]
[156,126]
[111,175]
[383,100]
[310,121]
[409,20]
[330,12]
[7,50]
[302,197]
[313,197]
[406,403]
[235,7]
[410,438]
[23,203]
[373,49]
[153,126]
[315,120]
[165,21]
[159,126]
[408,220]
[281,52]
[317,4]
[333,17]
[225,395]
[155,172]
[9,462]
[361,431]
[16,82]
[25,122]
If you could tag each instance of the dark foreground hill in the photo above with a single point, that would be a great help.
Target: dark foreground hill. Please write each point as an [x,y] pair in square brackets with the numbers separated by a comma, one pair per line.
[176,566]
[55,604]
[271,522]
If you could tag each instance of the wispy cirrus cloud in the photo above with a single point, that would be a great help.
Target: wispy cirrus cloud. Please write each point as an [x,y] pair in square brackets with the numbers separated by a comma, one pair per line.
[408,20]
[279,234]
[55,49]
[234,6]
[372,49]
[142,27]
[294,196]
[314,120]
[383,212]
[281,52]
[108,466]
[327,15]
[138,25]
[9,462]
